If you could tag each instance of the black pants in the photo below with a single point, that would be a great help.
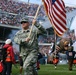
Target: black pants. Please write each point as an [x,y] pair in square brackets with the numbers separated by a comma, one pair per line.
[1,73]
[70,62]
[7,68]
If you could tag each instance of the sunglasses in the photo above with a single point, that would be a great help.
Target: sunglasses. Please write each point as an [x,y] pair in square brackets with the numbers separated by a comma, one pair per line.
[24,22]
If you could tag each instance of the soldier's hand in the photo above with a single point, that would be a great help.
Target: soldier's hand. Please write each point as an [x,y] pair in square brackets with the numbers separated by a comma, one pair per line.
[34,21]
[27,39]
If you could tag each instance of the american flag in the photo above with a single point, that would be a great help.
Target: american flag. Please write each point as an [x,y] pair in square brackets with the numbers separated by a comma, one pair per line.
[55,10]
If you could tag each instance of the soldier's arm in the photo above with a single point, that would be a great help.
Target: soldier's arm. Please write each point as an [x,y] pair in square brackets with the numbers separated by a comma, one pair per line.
[41,28]
[18,39]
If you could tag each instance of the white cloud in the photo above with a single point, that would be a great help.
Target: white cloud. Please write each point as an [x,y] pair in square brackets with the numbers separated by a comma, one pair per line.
[73,25]
[70,2]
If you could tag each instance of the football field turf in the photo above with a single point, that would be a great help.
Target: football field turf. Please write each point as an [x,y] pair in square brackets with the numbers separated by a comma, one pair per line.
[61,70]
[49,70]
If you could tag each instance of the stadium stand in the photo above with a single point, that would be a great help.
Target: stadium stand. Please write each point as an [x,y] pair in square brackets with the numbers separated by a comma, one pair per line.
[11,11]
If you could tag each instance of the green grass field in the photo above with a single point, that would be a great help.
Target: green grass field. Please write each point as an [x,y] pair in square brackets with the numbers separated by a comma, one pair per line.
[61,70]
[50,70]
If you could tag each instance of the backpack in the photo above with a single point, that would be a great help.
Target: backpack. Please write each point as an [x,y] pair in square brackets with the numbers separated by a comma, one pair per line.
[1,67]
[1,57]
[4,53]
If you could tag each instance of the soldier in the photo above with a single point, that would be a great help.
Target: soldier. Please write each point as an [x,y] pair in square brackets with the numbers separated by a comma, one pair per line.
[29,45]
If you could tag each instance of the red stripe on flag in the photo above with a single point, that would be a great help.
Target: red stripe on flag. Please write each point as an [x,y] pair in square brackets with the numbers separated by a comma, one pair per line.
[56,14]
[60,23]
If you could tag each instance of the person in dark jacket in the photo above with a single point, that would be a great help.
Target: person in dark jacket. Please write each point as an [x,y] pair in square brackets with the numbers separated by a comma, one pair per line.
[9,58]
[1,60]
[1,56]
[38,61]
[70,56]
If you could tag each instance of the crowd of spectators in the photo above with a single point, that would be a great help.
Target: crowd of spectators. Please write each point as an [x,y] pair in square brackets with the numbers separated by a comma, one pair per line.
[69,9]
[11,11]
[9,19]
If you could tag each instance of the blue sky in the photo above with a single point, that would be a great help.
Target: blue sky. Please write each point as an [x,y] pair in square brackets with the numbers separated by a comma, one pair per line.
[70,2]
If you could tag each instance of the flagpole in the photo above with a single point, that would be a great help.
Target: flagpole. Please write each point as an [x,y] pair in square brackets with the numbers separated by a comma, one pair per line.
[55,43]
[34,22]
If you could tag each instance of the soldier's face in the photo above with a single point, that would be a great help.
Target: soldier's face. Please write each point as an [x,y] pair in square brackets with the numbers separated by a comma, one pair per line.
[25,25]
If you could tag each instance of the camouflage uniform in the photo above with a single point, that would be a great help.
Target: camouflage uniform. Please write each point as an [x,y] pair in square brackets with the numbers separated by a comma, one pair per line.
[29,50]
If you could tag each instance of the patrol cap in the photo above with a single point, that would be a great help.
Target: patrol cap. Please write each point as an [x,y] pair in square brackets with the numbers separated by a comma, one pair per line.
[25,20]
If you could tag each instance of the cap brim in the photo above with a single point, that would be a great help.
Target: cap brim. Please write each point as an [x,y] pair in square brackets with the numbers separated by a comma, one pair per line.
[24,22]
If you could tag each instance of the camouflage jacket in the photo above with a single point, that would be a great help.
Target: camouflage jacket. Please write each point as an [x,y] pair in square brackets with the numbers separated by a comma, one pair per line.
[33,43]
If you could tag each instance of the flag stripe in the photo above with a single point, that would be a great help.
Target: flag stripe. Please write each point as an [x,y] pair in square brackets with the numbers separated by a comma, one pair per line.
[56,13]
[57,30]
[56,24]
[58,8]
[62,5]
[59,17]
[59,21]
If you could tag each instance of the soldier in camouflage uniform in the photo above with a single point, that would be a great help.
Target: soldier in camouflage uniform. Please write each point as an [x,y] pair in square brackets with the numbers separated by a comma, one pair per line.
[29,45]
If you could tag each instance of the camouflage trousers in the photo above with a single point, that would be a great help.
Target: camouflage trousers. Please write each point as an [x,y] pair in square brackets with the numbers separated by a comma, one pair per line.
[29,63]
